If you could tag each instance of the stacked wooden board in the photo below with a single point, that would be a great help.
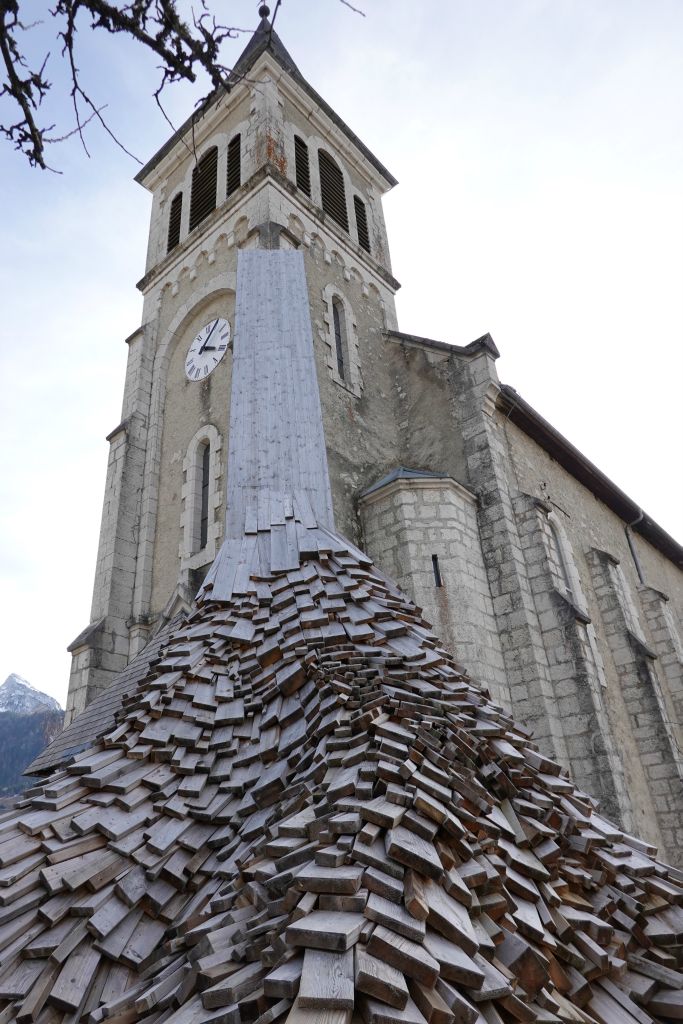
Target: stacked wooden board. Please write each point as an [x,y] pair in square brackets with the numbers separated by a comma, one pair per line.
[307,812]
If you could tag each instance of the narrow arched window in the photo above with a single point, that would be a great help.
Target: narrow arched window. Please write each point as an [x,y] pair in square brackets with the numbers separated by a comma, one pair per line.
[174,221]
[204,182]
[205,481]
[332,189]
[234,164]
[302,166]
[361,223]
[340,337]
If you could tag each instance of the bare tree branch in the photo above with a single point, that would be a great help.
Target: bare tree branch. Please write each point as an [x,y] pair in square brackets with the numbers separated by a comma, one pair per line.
[183,49]
[356,10]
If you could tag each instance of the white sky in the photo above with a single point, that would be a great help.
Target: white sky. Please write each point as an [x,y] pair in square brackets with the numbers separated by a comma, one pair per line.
[539,147]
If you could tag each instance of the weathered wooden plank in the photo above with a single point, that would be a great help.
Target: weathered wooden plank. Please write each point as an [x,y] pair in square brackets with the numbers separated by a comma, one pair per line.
[327,980]
[454,963]
[326,930]
[344,879]
[320,1015]
[410,957]
[375,1012]
[412,851]
[75,977]
[284,981]
[394,917]
[376,978]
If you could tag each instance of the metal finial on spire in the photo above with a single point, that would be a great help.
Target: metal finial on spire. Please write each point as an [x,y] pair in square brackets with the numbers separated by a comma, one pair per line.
[264,11]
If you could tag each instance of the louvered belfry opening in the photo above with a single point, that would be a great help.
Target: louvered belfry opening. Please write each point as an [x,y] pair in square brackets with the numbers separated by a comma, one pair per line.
[361,223]
[332,189]
[234,164]
[174,221]
[302,165]
[204,180]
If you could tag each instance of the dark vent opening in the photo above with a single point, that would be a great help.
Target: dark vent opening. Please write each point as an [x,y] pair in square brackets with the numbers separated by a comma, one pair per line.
[174,221]
[197,577]
[362,223]
[234,164]
[302,165]
[204,180]
[332,190]
[437,571]
[204,512]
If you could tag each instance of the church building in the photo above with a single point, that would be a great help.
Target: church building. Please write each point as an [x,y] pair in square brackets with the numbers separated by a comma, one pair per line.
[541,577]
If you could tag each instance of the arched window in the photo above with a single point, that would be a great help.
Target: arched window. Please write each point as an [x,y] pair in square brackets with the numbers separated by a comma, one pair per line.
[361,223]
[204,181]
[234,164]
[302,166]
[201,493]
[174,221]
[340,340]
[332,189]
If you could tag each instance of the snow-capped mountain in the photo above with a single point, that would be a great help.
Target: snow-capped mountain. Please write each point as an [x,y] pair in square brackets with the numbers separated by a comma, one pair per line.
[29,720]
[18,696]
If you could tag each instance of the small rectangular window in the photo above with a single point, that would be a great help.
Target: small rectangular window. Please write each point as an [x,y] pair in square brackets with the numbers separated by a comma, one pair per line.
[302,166]
[204,510]
[362,223]
[234,164]
[337,315]
[437,572]
[174,221]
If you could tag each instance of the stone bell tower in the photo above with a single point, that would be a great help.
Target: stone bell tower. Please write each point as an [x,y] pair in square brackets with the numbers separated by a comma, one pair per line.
[266,163]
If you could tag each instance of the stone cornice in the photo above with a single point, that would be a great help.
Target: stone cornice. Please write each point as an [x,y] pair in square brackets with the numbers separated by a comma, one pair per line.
[267,174]
[419,484]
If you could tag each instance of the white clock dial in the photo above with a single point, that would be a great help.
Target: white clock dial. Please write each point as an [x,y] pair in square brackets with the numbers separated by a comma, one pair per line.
[207,349]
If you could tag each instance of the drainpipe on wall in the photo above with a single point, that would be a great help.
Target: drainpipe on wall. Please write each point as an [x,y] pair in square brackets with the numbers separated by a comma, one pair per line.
[632,547]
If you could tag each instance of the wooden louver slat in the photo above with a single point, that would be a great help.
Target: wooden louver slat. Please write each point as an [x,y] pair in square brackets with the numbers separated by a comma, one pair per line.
[204,180]
[302,166]
[332,190]
[362,223]
[174,221]
[234,164]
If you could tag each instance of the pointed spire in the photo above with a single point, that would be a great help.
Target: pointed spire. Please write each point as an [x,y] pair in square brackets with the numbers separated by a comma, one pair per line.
[264,38]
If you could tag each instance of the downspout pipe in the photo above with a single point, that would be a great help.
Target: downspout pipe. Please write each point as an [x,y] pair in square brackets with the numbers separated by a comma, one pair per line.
[632,547]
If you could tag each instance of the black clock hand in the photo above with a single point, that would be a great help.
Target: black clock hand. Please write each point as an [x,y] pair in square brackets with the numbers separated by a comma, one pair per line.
[209,336]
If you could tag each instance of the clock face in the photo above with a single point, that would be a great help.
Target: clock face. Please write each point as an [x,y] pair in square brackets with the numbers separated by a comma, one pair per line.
[207,349]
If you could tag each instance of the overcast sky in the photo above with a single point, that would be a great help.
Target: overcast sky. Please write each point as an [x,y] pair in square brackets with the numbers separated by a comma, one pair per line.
[539,150]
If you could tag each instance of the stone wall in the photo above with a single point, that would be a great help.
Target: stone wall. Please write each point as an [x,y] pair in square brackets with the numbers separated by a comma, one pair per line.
[409,523]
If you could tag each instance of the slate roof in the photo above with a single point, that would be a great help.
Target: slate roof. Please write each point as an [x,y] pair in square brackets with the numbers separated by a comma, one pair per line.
[402,473]
[99,716]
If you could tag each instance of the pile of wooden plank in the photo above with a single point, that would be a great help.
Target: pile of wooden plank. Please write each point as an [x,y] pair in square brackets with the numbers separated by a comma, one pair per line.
[306,812]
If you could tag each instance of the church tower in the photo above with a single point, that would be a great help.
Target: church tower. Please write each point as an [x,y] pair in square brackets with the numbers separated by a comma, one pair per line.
[554,589]
[265,164]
